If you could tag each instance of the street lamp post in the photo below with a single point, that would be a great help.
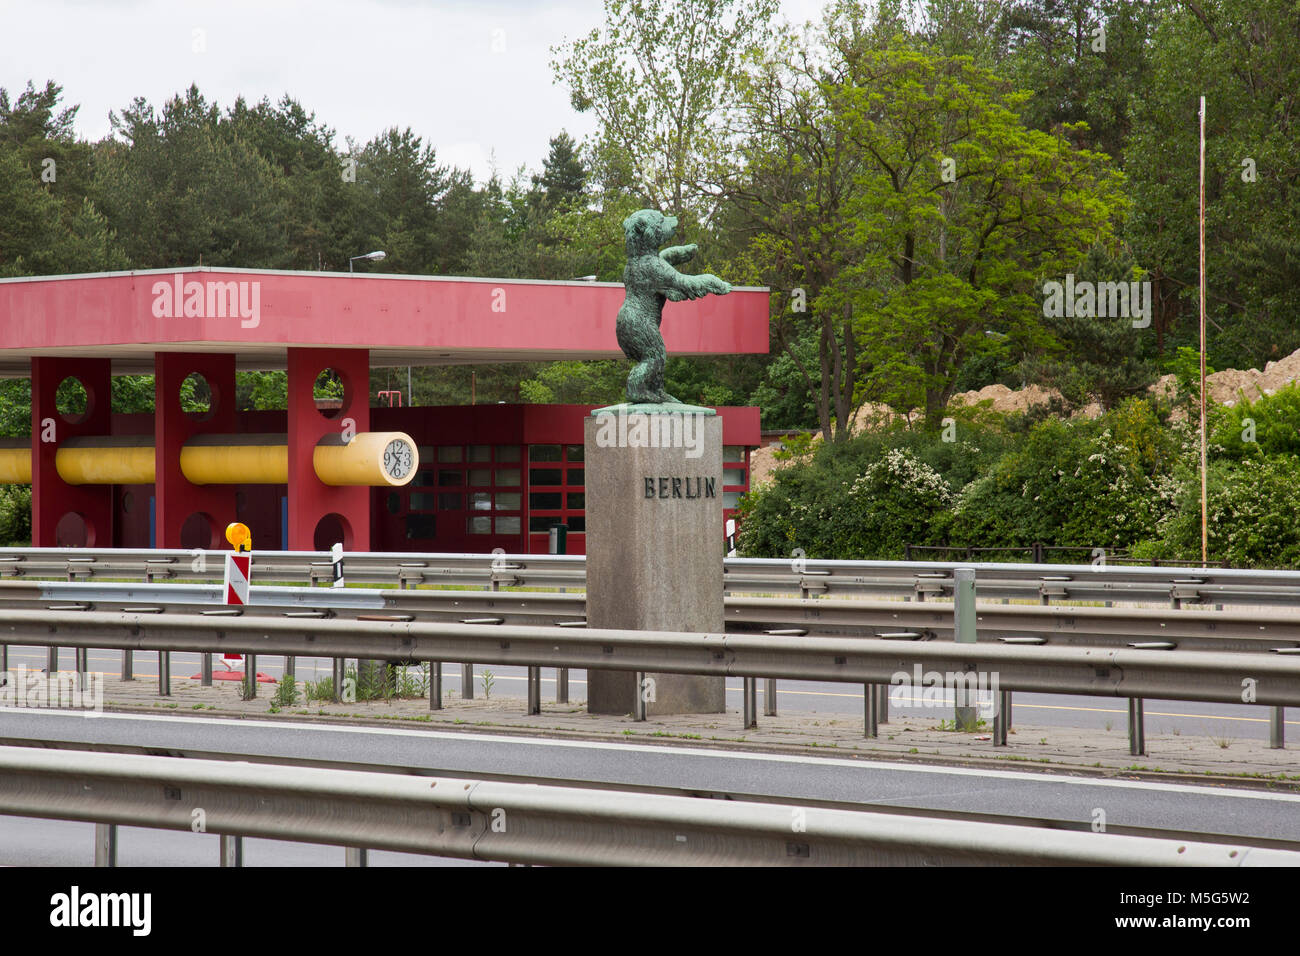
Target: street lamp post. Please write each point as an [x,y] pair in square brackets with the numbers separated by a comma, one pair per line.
[369,256]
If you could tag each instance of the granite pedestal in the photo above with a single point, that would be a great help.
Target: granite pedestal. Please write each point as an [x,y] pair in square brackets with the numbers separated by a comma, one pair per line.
[654,545]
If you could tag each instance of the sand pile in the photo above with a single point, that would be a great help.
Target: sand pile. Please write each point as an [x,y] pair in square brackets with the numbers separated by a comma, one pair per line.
[1232,385]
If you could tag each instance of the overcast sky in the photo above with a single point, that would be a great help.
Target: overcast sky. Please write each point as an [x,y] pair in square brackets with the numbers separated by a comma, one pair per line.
[470,76]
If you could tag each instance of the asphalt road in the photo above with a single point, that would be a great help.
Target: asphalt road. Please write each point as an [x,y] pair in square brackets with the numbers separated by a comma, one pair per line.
[1215,809]
[794,697]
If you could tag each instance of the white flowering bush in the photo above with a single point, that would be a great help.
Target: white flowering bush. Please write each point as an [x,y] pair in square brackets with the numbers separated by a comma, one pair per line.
[834,508]
[1253,515]
[895,501]
[1075,483]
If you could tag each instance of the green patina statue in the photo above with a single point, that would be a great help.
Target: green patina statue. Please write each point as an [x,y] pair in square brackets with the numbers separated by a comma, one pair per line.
[650,280]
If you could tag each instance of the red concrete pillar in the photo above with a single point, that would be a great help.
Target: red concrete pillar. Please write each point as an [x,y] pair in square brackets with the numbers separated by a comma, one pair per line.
[66,515]
[311,501]
[175,499]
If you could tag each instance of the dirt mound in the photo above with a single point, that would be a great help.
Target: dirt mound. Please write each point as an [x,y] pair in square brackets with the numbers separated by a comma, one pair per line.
[1008,400]
[1232,385]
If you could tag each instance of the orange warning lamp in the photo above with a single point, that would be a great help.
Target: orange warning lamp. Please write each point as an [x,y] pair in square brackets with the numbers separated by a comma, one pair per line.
[240,538]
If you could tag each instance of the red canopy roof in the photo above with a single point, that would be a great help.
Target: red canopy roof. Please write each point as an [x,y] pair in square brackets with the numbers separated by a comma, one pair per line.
[403,320]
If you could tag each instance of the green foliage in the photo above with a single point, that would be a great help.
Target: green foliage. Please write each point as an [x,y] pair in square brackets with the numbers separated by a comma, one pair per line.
[597,383]
[1100,359]
[1185,366]
[286,692]
[1264,428]
[16,515]
[1252,504]
[847,502]
[134,394]
[1240,55]
[15,407]
[1087,484]
[261,390]
[1107,483]
[322,689]
[659,75]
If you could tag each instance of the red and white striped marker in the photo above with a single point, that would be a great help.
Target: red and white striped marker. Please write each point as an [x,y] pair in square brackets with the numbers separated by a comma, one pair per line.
[237,567]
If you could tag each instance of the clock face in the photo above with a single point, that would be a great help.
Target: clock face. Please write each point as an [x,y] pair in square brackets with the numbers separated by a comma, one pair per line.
[399,458]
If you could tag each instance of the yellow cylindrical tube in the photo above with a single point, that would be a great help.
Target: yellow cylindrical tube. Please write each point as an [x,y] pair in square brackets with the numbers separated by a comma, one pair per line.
[236,460]
[371,458]
[16,464]
[114,460]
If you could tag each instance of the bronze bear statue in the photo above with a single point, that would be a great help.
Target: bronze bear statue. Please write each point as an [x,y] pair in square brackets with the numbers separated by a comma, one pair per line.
[649,281]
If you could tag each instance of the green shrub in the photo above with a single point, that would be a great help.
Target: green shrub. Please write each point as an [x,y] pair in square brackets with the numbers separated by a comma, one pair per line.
[1075,483]
[16,515]
[1276,426]
[827,513]
[1251,515]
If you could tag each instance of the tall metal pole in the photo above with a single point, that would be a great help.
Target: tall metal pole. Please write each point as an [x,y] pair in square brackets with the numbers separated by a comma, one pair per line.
[1205,557]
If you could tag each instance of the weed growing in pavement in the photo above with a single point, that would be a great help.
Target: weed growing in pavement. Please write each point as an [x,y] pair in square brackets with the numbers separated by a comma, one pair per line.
[286,693]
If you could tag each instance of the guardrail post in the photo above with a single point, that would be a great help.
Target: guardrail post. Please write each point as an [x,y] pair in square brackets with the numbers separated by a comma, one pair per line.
[128,665]
[882,703]
[769,697]
[466,681]
[290,668]
[435,685]
[638,699]
[250,674]
[164,673]
[105,844]
[338,674]
[52,661]
[534,690]
[964,621]
[1001,718]
[870,713]
[561,685]
[83,660]
[1137,738]
[1277,728]
[357,856]
[750,704]
[4,658]
[205,670]
[232,850]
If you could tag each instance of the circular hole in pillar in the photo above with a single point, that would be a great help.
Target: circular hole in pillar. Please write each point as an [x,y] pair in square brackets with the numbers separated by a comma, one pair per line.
[330,392]
[199,531]
[73,531]
[72,401]
[330,530]
[196,398]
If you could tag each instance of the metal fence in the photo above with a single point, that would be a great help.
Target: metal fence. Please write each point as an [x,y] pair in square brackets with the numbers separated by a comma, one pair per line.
[1131,672]
[528,824]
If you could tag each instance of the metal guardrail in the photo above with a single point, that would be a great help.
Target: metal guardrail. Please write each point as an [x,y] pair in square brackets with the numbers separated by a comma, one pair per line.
[529,824]
[1137,628]
[1191,629]
[61,740]
[805,577]
[1105,672]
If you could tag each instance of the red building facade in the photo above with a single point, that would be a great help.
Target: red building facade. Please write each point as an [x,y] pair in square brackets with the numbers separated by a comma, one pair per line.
[489,476]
